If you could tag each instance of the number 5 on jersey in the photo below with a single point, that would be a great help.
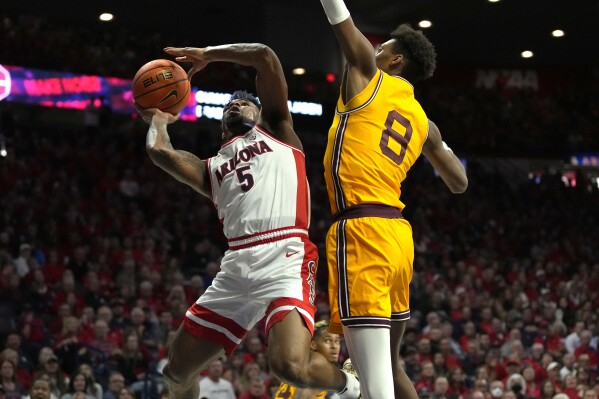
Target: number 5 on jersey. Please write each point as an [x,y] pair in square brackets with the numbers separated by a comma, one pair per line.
[245,178]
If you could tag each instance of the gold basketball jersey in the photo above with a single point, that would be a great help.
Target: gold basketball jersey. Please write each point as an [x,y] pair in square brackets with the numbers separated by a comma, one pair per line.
[374,140]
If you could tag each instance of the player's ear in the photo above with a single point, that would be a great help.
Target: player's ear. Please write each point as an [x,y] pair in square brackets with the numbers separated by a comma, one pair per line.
[397,60]
[313,345]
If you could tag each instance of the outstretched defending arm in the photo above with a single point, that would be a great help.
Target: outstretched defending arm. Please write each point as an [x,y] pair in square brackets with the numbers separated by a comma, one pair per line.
[182,165]
[444,160]
[361,63]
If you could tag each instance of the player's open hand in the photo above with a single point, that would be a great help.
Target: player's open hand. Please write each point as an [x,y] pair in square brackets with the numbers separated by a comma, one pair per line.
[154,113]
[194,55]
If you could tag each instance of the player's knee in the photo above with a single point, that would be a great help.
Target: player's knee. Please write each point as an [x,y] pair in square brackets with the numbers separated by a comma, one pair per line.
[176,378]
[291,371]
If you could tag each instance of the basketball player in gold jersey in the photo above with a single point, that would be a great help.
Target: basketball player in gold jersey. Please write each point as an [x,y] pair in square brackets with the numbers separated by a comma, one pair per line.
[328,345]
[378,132]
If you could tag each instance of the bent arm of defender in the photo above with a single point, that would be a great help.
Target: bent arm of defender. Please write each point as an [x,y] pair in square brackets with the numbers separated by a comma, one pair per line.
[182,165]
[445,162]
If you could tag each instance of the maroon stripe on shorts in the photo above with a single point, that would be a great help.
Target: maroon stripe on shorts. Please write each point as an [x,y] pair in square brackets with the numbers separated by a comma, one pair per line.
[365,321]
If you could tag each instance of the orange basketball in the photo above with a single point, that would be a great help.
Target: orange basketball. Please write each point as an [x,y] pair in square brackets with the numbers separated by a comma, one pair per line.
[161,84]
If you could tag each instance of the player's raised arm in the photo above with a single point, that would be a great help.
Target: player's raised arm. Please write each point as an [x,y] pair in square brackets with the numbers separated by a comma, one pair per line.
[355,46]
[444,160]
[271,85]
[182,165]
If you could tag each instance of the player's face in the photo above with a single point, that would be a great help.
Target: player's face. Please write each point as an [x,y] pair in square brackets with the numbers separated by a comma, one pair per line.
[329,345]
[384,55]
[238,117]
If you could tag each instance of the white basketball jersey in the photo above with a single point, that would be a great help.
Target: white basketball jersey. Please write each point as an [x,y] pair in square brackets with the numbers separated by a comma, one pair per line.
[259,185]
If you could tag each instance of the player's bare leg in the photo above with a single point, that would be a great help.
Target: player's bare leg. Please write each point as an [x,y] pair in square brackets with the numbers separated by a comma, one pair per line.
[291,360]
[188,355]
[404,388]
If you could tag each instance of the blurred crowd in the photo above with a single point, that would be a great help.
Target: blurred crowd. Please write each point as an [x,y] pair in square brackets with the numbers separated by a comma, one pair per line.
[101,253]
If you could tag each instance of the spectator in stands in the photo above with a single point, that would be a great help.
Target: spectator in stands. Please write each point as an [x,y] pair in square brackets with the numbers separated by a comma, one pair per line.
[41,389]
[23,260]
[570,382]
[131,361]
[126,393]
[568,367]
[553,374]
[533,389]
[251,371]
[476,394]
[548,390]
[572,340]
[32,328]
[253,345]
[94,389]
[22,375]
[458,386]
[115,331]
[440,364]
[496,389]
[213,386]
[146,329]
[427,376]
[585,348]
[13,389]
[58,379]
[440,389]
[77,384]
[70,344]
[234,369]
[256,390]
[102,344]
[116,382]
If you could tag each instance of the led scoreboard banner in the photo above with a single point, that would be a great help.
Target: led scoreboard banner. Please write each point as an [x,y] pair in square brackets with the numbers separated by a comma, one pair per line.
[71,90]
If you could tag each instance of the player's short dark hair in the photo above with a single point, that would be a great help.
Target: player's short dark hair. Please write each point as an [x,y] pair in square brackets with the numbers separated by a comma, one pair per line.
[244,95]
[419,51]
[320,327]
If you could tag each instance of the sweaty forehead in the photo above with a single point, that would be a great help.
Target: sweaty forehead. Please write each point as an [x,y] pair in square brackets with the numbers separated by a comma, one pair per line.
[240,101]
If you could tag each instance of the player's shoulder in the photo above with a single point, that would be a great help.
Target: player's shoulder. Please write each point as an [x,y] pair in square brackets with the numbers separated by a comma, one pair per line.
[397,82]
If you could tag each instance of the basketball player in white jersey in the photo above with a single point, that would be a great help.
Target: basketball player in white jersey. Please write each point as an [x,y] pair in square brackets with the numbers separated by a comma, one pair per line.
[258,184]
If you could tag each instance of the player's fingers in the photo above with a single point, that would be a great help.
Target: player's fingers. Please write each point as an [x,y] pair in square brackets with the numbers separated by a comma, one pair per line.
[173,50]
[182,51]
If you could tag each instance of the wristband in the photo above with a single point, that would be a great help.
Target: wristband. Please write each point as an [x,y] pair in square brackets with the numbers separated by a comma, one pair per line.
[335,10]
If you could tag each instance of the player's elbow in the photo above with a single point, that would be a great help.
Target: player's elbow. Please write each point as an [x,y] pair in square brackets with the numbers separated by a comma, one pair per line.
[265,59]
[262,54]
[459,185]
